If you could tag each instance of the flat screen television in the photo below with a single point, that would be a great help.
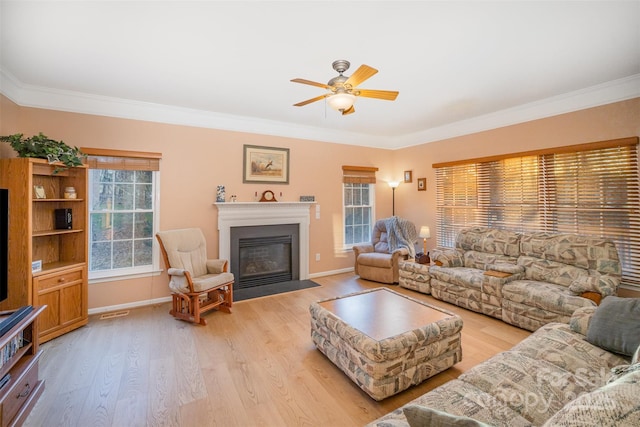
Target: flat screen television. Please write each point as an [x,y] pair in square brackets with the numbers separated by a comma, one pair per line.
[4,243]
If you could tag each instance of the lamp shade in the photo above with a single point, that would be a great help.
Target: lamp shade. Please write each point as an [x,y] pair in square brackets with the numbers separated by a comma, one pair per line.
[425,233]
[394,184]
[341,101]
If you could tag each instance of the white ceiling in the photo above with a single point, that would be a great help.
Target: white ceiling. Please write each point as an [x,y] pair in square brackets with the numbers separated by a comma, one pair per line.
[460,66]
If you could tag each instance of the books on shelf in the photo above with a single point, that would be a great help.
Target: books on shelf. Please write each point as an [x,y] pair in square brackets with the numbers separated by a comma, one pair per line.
[11,348]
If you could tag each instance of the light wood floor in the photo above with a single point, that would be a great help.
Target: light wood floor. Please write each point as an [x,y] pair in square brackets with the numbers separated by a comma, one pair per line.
[255,367]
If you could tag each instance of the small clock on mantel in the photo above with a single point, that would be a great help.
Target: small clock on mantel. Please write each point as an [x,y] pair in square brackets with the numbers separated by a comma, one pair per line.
[268,196]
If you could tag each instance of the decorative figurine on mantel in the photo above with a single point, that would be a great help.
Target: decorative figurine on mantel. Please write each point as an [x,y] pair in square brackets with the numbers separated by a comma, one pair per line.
[220,194]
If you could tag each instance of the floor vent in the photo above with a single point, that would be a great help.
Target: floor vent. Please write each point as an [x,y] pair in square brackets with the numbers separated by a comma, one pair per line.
[114,314]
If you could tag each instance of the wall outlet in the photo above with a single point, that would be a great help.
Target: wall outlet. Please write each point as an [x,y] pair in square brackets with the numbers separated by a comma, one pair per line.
[317,257]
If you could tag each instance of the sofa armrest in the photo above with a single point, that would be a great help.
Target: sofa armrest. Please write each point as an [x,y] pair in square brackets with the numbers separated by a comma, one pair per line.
[447,257]
[216,266]
[603,284]
[580,319]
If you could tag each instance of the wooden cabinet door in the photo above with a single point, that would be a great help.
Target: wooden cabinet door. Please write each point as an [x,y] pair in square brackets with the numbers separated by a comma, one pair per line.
[64,294]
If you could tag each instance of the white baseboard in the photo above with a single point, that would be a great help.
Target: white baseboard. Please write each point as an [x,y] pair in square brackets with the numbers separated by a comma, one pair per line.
[136,304]
[330,273]
[143,303]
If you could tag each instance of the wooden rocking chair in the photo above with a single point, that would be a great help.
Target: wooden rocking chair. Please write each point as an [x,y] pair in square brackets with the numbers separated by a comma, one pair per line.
[198,284]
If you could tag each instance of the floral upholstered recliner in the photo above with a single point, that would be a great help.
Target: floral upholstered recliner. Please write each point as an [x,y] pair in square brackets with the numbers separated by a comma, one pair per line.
[392,240]
[525,279]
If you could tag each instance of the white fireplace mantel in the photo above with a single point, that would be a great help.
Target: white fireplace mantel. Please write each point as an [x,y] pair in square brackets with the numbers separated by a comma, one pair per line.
[243,214]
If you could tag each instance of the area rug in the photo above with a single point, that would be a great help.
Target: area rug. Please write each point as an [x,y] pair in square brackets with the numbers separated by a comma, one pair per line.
[275,288]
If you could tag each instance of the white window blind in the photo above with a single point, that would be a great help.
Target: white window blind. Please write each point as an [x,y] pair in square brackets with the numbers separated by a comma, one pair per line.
[591,189]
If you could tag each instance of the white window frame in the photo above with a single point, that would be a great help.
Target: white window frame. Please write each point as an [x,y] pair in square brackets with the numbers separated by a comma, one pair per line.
[129,272]
[372,199]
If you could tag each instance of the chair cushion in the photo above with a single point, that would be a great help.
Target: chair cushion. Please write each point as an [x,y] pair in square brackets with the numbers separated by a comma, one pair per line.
[375,259]
[209,281]
[186,249]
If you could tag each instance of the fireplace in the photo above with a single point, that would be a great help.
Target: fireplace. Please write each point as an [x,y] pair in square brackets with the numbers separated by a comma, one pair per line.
[257,216]
[262,255]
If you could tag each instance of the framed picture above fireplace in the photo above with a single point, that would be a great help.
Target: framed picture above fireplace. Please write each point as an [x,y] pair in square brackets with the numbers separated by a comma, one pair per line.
[265,164]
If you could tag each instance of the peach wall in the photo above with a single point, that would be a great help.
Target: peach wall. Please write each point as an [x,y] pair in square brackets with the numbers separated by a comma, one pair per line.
[195,160]
[618,120]
[8,123]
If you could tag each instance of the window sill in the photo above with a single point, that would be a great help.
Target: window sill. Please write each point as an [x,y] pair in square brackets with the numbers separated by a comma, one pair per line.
[125,276]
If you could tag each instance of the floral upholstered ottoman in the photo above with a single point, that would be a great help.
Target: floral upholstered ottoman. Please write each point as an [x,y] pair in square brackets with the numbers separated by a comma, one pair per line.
[385,341]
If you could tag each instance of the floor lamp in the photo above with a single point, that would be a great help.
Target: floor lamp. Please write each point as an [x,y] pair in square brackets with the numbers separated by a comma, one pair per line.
[393,185]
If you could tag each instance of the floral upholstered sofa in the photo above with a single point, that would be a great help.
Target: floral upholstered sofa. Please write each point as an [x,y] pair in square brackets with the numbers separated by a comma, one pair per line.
[525,279]
[561,375]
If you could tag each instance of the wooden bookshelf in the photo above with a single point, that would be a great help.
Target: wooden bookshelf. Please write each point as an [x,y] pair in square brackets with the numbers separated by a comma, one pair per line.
[20,393]
[61,284]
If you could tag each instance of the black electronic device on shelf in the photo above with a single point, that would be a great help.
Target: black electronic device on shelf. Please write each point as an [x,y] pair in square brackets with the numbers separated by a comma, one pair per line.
[4,243]
[14,318]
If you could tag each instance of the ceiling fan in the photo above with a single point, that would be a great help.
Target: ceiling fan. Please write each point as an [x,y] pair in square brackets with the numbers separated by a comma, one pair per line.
[343,90]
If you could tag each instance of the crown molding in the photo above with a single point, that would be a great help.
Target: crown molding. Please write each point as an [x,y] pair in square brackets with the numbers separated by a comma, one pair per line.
[78,102]
[593,96]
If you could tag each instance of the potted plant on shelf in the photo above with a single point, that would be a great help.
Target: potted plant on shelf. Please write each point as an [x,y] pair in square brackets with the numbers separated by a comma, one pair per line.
[42,147]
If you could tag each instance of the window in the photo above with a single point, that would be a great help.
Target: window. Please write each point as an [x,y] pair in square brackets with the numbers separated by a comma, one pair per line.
[123,195]
[591,189]
[358,202]
[358,213]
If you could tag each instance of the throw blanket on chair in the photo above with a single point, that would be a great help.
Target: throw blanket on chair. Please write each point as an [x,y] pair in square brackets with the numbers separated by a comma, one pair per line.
[401,234]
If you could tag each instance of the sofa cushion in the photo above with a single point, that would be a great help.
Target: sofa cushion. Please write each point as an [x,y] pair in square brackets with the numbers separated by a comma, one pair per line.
[615,325]
[535,389]
[489,240]
[591,253]
[615,404]
[422,416]
[545,296]
[480,260]
[581,318]
[459,398]
[559,345]
[622,370]
[550,271]
[461,276]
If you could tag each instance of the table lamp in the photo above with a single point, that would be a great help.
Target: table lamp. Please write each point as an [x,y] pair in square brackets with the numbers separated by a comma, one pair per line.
[425,233]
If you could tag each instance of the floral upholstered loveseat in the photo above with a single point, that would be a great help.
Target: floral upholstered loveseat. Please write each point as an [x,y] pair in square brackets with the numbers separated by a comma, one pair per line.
[525,279]
[557,376]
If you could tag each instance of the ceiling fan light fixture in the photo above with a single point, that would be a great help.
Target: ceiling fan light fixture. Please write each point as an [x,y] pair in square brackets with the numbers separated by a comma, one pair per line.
[341,101]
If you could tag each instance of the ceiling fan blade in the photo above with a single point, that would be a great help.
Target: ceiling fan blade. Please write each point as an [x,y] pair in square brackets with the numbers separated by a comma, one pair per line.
[361,74]
[387,95]
[309,82]
[309,101]
[349,110]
